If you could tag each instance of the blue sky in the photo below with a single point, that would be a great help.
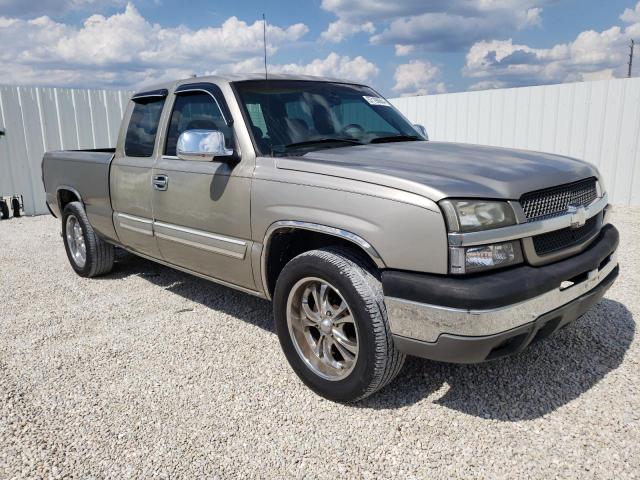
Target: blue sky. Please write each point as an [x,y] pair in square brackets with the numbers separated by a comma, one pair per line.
[402,47]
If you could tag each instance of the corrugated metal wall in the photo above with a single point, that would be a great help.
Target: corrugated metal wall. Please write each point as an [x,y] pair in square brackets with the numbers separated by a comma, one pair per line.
[595,121]
[36,120]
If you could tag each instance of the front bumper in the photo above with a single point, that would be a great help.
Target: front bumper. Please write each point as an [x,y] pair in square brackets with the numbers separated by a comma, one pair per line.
[469,320]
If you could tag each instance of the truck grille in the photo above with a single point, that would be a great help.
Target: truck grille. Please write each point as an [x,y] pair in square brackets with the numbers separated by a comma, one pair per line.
[554,201]
[564,238]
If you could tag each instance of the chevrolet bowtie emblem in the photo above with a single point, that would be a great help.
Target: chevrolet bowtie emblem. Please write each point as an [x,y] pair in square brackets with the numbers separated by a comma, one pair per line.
[578,215]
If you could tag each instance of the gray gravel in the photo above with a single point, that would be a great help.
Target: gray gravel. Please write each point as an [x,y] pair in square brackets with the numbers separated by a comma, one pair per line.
[151,372]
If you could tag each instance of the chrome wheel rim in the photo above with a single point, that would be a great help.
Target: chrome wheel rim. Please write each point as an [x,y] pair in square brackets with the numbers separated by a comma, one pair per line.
[322,328]
[75,241]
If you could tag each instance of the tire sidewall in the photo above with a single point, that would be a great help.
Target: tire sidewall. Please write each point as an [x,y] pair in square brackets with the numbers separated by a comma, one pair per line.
[74,209]
[361,376]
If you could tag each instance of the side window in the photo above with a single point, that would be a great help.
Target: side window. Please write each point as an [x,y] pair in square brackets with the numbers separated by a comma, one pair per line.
[143,127]
[195,111]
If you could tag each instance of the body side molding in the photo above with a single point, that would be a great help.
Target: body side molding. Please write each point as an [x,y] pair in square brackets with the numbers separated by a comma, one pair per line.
[133,223]
[231,247]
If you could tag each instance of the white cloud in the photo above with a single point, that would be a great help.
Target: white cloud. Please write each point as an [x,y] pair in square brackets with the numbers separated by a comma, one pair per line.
[125,49]
[418,78]
[606,74]
[403,50]
[591,55]
[436,25]
[631,15]
[340,30]
[357,69]
[384,9]
[532,17]
[34,8]
[449,32]
[488,85]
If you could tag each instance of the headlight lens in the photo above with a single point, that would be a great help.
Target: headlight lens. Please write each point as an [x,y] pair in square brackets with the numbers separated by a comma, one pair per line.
[485,257]
[476,215]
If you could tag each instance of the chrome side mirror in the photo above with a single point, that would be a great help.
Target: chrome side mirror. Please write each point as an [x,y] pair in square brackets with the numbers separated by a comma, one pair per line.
[421,130]
[202,145]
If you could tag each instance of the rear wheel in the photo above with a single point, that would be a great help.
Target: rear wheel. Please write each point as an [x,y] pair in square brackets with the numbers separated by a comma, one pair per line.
[332,325]
[88,254]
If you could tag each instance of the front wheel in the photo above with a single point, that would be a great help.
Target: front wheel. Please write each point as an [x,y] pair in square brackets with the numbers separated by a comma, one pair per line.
[332,325]
[88,254]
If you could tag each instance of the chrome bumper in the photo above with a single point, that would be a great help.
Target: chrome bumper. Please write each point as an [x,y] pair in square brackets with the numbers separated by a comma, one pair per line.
[426,322]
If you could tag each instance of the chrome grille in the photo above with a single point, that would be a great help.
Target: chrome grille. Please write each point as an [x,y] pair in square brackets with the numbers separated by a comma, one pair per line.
[554,201]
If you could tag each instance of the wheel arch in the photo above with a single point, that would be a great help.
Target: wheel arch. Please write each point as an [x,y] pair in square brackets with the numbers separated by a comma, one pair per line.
[305,236]
[66,195]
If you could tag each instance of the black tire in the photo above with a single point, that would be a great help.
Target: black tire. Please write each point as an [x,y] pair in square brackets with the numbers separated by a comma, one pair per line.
[4,210]
[15,206]
[378,362]
[99,254]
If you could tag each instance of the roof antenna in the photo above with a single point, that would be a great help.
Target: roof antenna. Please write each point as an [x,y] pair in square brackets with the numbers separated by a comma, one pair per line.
[264,41]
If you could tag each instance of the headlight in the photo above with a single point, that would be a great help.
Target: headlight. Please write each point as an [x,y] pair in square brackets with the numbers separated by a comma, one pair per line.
[476,215]
[484,257]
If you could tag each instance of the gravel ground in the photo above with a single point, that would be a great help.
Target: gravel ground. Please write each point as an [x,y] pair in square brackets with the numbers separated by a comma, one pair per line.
[152,372]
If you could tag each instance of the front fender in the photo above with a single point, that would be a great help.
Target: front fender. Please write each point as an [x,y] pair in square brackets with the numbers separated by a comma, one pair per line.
[405,236]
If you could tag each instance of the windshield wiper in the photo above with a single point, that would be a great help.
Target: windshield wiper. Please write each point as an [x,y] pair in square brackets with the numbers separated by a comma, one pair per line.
[396,138]
[321,141]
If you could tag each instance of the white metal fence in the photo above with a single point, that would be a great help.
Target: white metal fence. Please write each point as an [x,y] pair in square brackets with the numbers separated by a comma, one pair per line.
[595,121]
[35,120]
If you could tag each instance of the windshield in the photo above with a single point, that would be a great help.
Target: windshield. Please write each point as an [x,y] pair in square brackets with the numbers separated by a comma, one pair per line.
[292,117]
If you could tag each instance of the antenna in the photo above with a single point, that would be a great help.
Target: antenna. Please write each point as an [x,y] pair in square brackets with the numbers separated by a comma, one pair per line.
[264,41]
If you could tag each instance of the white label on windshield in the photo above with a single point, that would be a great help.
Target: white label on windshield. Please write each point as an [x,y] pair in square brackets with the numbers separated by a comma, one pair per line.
[376,101]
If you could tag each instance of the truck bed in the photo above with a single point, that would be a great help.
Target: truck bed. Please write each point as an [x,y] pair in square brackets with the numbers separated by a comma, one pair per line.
[86,174]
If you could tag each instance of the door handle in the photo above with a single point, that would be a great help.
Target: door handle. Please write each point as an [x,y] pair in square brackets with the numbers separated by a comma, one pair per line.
[160,182]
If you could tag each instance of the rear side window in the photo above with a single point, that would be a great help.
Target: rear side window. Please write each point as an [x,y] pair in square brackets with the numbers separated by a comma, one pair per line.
[195,111]
[143,127]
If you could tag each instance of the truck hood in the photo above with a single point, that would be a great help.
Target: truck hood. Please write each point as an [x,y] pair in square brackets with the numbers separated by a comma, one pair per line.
[438,170]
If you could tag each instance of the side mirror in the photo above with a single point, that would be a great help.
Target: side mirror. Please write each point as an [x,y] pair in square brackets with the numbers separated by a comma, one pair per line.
[202,145]
[421,130]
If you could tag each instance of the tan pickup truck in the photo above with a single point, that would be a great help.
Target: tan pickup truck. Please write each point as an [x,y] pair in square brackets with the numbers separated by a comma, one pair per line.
[372,242]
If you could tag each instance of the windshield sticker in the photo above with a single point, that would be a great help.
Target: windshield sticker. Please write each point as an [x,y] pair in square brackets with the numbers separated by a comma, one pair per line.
[376,101]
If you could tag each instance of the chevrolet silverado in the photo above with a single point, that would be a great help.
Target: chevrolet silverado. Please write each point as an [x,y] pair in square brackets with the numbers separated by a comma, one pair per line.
[372,242]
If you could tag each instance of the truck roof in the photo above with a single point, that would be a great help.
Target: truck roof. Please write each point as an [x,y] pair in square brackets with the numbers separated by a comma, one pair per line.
[239,77]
